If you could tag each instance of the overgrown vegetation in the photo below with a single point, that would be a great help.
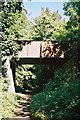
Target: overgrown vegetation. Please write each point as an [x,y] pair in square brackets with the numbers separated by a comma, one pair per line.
[33,77]
[59,100]
[8,101]
[57,94]
[25,76]
[13,25]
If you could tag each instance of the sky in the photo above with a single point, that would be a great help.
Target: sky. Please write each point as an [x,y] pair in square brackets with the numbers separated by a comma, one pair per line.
[34,8]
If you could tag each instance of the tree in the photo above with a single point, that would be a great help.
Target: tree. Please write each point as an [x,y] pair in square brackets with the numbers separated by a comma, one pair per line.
[15,26]
[71,32]
[72,9]
[47,25]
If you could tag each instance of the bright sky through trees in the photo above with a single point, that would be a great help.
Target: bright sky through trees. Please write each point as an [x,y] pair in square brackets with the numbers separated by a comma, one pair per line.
[34,8]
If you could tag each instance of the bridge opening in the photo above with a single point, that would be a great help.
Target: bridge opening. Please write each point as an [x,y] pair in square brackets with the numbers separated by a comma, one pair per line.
[32,77]
[47,56]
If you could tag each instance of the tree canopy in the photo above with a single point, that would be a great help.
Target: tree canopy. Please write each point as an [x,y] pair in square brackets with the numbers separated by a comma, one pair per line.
[15,26]
[72,9]
[47,25]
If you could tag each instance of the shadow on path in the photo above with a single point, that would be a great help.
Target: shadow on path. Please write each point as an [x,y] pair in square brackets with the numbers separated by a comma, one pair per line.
[22,109]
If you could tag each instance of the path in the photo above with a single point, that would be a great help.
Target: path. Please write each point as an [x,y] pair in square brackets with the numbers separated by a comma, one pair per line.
[22,110]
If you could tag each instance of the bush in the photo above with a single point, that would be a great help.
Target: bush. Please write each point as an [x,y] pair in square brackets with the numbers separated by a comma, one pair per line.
[8,101]
[59,100]
[25,76]
[41,72]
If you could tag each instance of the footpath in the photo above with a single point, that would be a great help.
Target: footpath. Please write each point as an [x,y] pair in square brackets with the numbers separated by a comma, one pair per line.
[22,109]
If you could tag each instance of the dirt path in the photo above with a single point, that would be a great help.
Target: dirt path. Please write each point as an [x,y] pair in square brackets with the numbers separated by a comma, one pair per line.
[22,110]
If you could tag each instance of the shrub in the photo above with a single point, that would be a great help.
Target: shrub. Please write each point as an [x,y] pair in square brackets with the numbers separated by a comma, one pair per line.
[25,76]
[59,100]
[8,101]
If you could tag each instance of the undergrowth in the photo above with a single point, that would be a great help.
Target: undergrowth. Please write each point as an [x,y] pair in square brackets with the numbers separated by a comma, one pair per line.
[8,101]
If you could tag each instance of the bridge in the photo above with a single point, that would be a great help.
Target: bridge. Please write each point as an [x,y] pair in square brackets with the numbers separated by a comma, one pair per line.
[42,52]
[39,52]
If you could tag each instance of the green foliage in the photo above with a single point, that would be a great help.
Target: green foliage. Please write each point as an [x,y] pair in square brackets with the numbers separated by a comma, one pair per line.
[8,101]
[25,76]
[41,72]
[70,32]
[15,26]
[59,100]
[47,25]
[33,76]
[72,9]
